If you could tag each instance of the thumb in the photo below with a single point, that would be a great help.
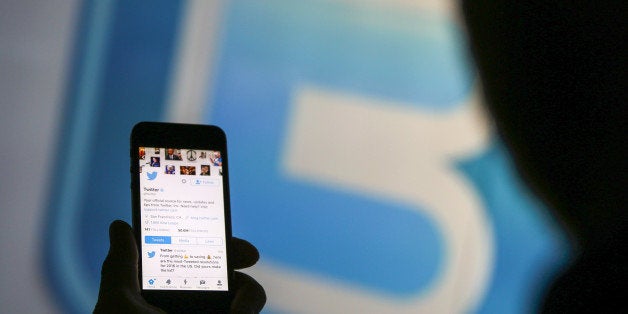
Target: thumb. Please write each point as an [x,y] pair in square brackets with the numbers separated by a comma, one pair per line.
[119,270]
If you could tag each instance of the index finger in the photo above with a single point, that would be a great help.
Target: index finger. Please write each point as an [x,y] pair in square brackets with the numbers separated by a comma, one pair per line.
[244,253]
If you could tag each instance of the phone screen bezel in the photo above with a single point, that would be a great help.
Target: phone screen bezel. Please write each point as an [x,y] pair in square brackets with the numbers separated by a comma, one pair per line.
[185,136]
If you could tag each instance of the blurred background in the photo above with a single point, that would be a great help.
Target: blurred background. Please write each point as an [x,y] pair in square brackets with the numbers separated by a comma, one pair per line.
[363,166]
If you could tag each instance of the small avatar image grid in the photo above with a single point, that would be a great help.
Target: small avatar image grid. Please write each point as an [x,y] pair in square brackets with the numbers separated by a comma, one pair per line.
[177,161]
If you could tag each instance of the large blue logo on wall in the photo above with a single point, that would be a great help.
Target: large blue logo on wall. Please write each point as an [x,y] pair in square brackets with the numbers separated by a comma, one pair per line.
[342,72]
[361,167]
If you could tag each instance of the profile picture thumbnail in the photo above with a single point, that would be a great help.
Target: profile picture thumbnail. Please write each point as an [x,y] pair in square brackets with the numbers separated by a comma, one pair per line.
[142,153]
[173,154]
[170,169]
[191,155]
[205,170]
[154,162]
[188,170]
[215,158]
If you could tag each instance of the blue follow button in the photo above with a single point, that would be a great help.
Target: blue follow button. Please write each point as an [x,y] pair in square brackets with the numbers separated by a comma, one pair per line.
[157,240]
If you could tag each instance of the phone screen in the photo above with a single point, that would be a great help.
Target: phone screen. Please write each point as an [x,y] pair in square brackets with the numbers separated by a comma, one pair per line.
[182,219]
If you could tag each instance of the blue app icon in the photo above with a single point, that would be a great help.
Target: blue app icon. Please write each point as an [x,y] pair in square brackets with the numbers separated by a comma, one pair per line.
[151,175]
[151,254]
[151,281]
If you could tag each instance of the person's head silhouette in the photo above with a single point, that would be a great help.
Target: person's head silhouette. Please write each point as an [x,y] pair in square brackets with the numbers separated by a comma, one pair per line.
[552,74]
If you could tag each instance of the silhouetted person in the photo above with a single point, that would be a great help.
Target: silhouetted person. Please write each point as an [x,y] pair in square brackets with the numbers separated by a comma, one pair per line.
[553,73]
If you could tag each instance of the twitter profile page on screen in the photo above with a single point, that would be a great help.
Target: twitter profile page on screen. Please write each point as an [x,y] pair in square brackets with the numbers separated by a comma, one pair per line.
[182,219]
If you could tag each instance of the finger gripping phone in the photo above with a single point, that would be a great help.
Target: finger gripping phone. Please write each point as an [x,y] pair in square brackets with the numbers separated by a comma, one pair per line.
[181,216]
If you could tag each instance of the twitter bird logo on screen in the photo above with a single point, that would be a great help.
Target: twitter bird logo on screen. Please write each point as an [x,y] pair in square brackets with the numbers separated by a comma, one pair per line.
[151,254]
[151,175]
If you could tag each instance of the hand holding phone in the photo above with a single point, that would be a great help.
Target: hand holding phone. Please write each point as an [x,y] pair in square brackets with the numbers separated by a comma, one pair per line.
[120,288]
[183,257]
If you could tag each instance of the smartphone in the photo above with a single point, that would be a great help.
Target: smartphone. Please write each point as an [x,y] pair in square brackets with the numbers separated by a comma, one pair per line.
[181,215]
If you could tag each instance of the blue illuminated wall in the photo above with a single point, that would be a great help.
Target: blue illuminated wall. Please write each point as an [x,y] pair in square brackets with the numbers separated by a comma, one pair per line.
[271,54]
